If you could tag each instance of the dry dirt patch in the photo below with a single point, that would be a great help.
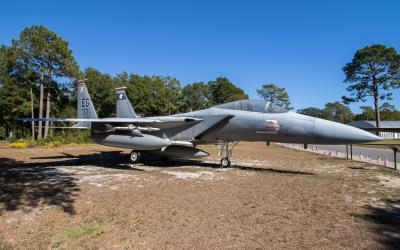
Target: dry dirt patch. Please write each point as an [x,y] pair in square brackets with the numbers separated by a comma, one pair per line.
[389,181]
[90,197]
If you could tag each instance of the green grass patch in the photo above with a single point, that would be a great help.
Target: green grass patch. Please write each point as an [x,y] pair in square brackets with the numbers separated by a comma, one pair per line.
[4,245]
[76,237]
[83,231]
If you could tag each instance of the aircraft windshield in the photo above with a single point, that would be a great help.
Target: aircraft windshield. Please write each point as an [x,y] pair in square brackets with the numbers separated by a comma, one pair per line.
[273,108]
[260,106]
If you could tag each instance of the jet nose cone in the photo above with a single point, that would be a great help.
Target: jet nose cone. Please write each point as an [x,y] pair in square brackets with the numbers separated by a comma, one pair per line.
[328,132]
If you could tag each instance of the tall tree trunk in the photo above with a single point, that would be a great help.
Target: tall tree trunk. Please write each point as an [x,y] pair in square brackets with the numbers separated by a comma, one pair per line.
[40,107]
[7,129]
[376,105]
[46,126]
[33,116]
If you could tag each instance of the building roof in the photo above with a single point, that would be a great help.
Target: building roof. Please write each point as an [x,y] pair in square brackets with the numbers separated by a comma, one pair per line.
[372,124]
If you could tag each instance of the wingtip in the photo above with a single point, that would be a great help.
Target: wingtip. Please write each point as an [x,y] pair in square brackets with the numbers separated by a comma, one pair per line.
[81,82]
[120,88]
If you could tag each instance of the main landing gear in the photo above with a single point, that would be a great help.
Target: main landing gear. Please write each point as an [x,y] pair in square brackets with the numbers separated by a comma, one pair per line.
[226,153]
[135,156]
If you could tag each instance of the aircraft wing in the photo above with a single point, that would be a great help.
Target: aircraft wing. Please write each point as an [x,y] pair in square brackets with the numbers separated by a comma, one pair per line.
[210,123]
[178,120]
[109,124]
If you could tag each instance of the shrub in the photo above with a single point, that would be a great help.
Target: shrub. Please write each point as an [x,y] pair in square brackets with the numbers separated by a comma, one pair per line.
[52,144]
[69,138]
[21,143]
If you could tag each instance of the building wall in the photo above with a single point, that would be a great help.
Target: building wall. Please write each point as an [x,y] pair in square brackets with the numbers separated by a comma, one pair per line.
[389,135]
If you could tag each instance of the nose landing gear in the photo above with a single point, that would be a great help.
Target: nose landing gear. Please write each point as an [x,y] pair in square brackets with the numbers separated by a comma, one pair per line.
[226,153]
[225,162]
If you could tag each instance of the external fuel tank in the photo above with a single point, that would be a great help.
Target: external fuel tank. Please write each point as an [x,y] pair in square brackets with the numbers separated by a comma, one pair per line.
[130,140]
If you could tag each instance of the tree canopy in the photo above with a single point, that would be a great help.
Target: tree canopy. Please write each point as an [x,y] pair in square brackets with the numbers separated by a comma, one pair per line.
[334,111]
[196,96]
[43,58]
[312,111]
[274,94]
[222,90]
[41,61]
[338,112]
[44,53]
[367,113]
[389,112]
[101,89]
[374,71]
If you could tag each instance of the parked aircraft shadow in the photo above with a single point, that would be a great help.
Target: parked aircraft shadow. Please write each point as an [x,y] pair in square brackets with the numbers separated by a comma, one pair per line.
[27,186]
[118,160]
[357,168]
[273,170]
[185,162]
[386,223]
[104,159]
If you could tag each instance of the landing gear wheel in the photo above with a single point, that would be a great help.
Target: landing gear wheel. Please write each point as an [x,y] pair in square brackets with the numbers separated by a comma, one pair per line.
[226,153]
[225,162]
[135,156]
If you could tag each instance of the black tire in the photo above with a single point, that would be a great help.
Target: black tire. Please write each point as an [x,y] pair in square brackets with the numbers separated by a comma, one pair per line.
[135,156]
[225,162]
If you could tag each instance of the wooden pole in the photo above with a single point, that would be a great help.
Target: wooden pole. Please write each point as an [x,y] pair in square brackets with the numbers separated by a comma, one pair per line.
[351,152]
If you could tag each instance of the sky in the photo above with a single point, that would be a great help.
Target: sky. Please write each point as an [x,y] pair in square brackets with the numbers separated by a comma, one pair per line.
[299,45]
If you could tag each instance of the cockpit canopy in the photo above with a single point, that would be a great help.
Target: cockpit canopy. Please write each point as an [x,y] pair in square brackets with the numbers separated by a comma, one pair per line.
[261,106]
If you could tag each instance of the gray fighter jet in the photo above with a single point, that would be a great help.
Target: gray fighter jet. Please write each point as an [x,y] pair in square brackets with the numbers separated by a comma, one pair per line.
[179,135]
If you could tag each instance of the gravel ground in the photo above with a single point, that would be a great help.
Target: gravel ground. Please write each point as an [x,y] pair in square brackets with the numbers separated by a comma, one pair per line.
[272,198]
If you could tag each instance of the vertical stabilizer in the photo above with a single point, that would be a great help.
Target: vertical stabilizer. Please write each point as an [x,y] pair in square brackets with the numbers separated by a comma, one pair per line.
[124,107]
[85,108]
